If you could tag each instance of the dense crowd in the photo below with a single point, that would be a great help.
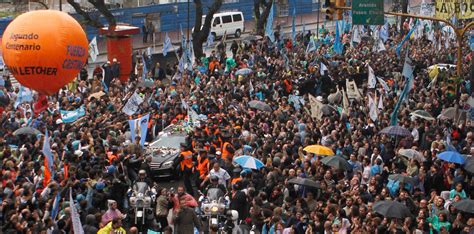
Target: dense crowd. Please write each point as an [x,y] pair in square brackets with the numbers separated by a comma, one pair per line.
[95,159]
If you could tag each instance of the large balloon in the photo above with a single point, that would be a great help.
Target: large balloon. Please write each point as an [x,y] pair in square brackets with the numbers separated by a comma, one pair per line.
[44,49]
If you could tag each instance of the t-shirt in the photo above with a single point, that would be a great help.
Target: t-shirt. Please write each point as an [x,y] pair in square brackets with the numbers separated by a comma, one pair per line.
[221,174]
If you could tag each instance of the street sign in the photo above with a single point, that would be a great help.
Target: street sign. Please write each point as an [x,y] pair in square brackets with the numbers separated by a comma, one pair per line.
[367,12]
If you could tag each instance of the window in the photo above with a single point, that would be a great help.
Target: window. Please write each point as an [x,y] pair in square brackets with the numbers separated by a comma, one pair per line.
[217,21]
[237,17]
[226,19]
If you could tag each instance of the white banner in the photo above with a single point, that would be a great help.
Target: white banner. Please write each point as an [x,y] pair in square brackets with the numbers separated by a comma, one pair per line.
[132,105]
[372,80]
[76,220]
[427,9]
[93,49]
[352,90]
[316,107]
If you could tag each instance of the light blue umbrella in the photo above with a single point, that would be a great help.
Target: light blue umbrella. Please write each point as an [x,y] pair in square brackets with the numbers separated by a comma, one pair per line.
[452,157]
[244,71]
[250,162]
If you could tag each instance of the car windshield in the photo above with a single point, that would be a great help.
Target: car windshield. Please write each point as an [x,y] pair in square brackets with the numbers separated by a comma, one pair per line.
[169,141]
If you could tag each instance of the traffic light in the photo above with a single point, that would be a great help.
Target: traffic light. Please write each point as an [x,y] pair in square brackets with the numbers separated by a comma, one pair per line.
[339,12]
[330,4]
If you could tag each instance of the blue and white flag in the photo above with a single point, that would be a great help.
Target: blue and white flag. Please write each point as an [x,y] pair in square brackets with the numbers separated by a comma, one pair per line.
[372,80]
[75,218]
[406,90]
[48,154]
[356,34]
[183,38]
[93,49]
[269,25]
[181,63]
[323,69]
[210,40]
[167,44]
[132,104]
[55,210]
[139,127]
[24,95]
[383,34]
[145,70]
[293,25]
[384,85]
[190,56]
[72,116]
[337,42]
[399,47]
[311,45]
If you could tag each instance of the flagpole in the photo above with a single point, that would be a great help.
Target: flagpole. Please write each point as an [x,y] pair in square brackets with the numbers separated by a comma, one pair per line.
[317,21]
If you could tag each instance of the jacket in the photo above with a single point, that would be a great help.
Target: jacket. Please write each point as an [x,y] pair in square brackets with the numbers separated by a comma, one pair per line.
[185,221]
[108,229]
[162,206]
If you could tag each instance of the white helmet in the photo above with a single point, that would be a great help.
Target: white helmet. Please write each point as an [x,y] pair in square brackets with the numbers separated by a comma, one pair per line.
[234,215]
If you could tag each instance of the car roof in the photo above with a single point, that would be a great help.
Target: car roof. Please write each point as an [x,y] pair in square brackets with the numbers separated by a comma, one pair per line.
[226,13]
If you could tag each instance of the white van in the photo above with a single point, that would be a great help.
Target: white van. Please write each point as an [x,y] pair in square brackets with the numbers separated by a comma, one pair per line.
[231,23]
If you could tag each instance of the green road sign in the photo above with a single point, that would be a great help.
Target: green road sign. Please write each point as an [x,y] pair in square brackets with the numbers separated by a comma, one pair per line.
[367,12]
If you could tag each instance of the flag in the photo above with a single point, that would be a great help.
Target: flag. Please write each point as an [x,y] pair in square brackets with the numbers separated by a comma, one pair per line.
[293,25]
[399,47]
[93,49]
[383,33]
[183,38]
[285,58]
[41,104]
[166,44]
[24,95]
[380,46]
[345,102]
[384,84]
[434,72]
[323,68]
[380,104]
[48,160]
[132,104]
[76,220]
[269,25]
[181,63]
[190,56]
[407,67]
[403,94]
[311,45]
[316,107]
[356,34]
[251,89]
[55,209]
[373,112]
[337,42]
[145,70]
[72,115]
[210,40]
[372,79]
[352,90]
[139,127]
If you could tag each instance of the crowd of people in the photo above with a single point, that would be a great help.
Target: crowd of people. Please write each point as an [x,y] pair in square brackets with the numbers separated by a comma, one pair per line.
[95,161]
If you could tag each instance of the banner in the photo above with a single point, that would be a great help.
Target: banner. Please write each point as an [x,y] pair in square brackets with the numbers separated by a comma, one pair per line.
[460,9]
[72,116]
[24,95]
[76,220]
[316,107]
[427,9]
[132,105]
[297,101]
[93,49]
[372,79]
[139,127]
[352,90]
[373,112]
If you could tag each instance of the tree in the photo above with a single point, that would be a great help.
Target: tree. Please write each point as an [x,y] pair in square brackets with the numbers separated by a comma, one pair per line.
[200,34]
[261,16]
[98,5]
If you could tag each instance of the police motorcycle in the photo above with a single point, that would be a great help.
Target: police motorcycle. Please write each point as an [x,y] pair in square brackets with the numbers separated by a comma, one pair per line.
[214,211]
[141,199]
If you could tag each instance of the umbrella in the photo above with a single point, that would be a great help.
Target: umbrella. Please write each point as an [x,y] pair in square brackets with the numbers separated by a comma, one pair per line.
[452,157]
[450,113]
[469,165]
[412,154]
[328,109]
[147,84]
[392,209]
[422,114]
[396,131]
[305,182]
[259,105]
[319,150]
[337,162]
[26,131]
[402,178]
[244,71]
[465,205]
[96,95]
[246,161]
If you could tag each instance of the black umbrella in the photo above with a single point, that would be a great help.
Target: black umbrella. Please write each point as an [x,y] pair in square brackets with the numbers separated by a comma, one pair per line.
[469,165]
[396,131]
[337,162]
[328,109]
[259,105]
[392,209]
[305,182]
[26,131]
[465,205]
[402,178]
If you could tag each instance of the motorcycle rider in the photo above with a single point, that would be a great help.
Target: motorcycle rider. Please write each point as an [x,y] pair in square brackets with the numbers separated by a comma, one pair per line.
[215,184]
[142,177]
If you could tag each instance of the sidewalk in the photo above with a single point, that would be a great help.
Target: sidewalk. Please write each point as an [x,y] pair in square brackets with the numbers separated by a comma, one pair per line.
[310,21]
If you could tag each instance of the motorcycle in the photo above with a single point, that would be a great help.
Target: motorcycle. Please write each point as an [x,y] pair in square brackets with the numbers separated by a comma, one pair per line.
[214,212]
[141,202]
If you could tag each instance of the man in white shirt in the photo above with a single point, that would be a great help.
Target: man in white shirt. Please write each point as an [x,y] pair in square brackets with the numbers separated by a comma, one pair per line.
[222,174]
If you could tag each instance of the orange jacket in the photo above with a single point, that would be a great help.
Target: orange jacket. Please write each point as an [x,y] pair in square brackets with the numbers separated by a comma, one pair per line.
[225,152]
[187,160]
[203,167]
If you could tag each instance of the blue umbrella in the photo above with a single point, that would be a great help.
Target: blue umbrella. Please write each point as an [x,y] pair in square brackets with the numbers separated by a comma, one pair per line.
[452,157]
[244,71]
[250,162]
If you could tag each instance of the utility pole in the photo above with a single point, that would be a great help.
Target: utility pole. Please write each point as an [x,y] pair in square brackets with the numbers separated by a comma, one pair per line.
[188,22]
[317,22]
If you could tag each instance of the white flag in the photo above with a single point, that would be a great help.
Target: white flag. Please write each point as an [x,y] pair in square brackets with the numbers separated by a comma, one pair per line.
[372,108]
[76,220]
[356,34]
[384,84]
[132,104]
[316,107]
[93,49]
[380,46]
[372,79]
[380,104]
[345,102]
[323,68]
